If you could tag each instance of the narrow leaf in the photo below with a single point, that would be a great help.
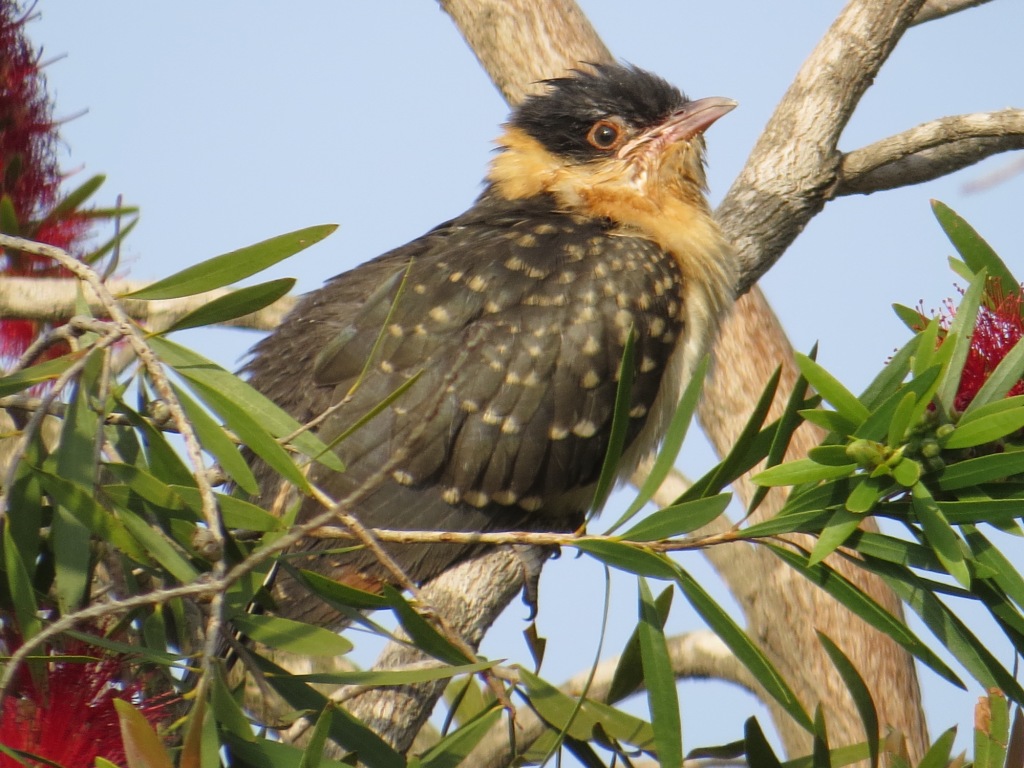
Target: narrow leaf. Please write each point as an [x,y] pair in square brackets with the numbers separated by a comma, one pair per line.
[620,423]
[142,747]
[839,529]
[801,471]
[674,437]
[858,692]
[960,334]
[238,303]
[971,246]
[940,534]
[743,647]
[314,749]
[662,697]
[292,636]
[834,393]
[232,267]
[626,557]
[758,750]
[866,608]
[678,519]
[985,429]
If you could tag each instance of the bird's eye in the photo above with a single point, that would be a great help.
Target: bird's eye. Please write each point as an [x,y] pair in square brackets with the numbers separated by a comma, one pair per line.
[606,135]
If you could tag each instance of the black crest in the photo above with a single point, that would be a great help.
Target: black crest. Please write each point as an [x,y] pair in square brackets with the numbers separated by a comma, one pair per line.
[561,117]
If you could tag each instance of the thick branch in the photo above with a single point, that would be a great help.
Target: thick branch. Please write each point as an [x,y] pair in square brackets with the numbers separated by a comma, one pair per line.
[929,151]
[795,161]
[936,9]
[53,300]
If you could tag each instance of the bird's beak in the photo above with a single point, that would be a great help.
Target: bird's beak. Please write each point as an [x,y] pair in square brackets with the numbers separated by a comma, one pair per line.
[692,120]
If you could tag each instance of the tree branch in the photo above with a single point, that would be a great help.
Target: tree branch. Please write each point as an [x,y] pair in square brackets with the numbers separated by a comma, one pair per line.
[930,150]
[53,300]
[936,9]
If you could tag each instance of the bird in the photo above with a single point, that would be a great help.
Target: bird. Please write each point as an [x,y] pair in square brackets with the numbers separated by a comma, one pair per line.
[507,324]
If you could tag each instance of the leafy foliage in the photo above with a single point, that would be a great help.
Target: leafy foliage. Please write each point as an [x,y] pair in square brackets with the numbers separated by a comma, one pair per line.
[180,558]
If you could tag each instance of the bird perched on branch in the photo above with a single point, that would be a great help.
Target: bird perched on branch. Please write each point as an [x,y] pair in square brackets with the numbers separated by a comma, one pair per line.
[513,319]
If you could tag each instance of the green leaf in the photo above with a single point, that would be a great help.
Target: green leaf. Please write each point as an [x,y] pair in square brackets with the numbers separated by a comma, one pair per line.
[1009,371]
[909,316]
[560,711]
[408,676]
[963,474]
[37,374]
[990,740]
[214,440]
[926,347]
[750,446]
[74,199]
[160,547]
[830,421]
[743,648]
[236,304]
[830,455]
[452,750]
[840,527]
[674,436]
[940,534]
[341,594]
[978,254]
[758,750]
[985,429]
[76,461]
[620,423]
[895,415]
[864,606]
[839,397]
[802,471]
[960,336]
[820,755]
[232,267]
[1006,575]
[948,628]
[977,411]
[292,636]
[142,747]
[195,367]
[678,519]
[80,503]
[906,471]
[627,557]
[421,632]
[629,674]
[346,730]
[787,425]
[938,753]
[888,381]
[867,492]
[314,750]
[662,697]
[19,585]
[252,433]
[859,692]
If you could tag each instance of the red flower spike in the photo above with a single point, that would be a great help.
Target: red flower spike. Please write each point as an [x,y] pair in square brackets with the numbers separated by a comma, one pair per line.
[998,328]
[71,720]
[29,175]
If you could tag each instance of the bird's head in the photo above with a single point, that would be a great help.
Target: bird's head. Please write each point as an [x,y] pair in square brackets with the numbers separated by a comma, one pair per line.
[606,142]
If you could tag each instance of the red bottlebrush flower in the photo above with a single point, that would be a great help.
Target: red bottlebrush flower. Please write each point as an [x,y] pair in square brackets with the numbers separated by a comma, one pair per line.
[998,328]
[29,175]
[70,718]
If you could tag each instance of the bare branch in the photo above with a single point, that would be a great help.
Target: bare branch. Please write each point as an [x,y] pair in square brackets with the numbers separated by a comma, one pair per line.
[795,161]
[929,151]
[936,9]
[53,300]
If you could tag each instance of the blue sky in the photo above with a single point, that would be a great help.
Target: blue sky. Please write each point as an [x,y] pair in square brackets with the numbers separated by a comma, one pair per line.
[234,121]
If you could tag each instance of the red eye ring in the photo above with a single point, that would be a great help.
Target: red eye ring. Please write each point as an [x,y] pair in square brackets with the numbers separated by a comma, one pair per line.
[606,135]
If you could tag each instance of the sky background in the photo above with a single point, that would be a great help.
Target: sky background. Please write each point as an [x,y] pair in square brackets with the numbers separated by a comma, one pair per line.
[231,122]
